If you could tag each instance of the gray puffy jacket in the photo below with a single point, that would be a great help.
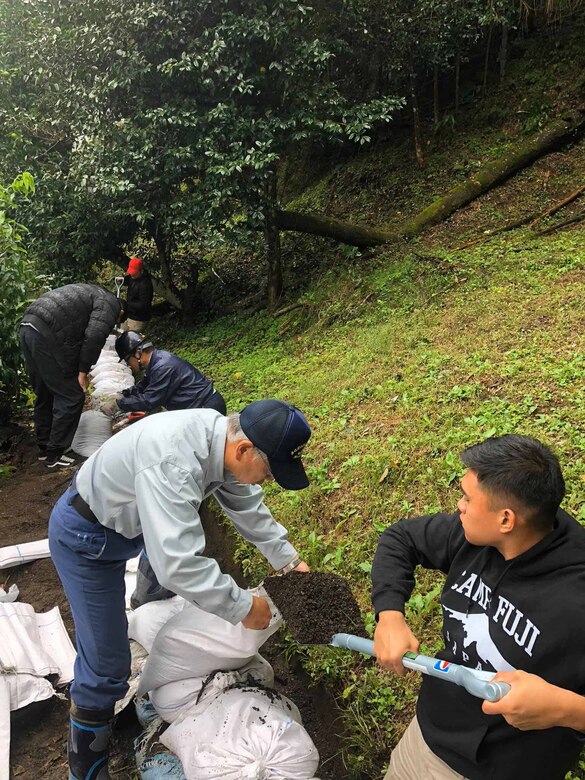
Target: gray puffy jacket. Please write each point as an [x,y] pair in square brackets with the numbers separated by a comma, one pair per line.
[75,320]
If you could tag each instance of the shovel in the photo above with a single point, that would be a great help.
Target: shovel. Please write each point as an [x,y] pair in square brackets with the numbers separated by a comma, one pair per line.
[475,681]
[320,609]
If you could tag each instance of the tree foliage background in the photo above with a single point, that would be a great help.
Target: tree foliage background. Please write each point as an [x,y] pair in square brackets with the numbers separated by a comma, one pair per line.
[16,285]
[163,124]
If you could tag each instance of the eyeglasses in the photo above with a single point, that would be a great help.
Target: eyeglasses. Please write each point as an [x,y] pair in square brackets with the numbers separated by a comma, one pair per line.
[264,458]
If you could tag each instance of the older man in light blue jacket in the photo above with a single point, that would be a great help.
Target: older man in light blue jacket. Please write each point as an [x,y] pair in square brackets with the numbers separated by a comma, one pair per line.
[143,489]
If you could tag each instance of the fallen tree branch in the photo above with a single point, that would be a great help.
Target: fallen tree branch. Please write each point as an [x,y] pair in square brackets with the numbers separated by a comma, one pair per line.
[577,218]
[490,175]
[346,232]
[533,219]
[558,206]
[286,309]
[496,172]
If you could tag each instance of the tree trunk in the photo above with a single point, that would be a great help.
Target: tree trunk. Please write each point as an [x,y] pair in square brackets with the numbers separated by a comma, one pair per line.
[486,63]
[492,174]
[346,232]
[416,120]
[457,74]
[503,56]
[272,236]
[436,96]
[189,295]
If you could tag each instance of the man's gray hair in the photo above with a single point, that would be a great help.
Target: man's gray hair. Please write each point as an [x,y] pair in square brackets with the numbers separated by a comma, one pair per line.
[235,432]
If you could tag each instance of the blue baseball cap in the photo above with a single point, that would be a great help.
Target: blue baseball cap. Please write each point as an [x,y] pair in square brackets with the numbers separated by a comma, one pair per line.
[280,431]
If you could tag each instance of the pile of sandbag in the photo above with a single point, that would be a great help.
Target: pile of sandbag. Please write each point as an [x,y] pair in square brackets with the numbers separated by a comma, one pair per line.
[108,377]
[207,679]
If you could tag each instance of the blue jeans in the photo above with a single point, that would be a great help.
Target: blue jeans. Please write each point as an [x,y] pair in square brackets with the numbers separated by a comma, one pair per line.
[90,560]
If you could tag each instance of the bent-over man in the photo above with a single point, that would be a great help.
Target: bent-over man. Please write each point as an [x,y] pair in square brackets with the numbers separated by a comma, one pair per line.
[144,488]
[61,336]
[168,380]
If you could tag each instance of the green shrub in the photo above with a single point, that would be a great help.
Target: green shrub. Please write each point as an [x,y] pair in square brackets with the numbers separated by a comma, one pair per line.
[15,283]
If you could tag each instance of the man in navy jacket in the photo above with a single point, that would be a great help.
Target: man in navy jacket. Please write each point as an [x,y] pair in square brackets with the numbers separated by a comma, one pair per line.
[169,381]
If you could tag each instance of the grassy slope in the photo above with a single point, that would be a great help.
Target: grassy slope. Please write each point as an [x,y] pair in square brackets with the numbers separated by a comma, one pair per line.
[402,358]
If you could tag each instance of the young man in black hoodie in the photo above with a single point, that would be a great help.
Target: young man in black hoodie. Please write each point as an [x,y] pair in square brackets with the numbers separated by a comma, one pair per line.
[514,599]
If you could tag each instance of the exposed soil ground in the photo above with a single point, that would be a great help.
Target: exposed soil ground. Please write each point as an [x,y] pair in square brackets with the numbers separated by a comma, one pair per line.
[38,743]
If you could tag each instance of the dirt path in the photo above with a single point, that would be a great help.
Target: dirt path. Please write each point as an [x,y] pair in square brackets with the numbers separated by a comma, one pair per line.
[38,744]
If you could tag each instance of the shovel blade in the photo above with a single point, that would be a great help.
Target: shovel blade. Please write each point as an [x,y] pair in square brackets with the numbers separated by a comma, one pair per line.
[315,605]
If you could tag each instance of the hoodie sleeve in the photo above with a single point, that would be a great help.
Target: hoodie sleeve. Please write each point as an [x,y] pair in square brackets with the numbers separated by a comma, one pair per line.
[429,541]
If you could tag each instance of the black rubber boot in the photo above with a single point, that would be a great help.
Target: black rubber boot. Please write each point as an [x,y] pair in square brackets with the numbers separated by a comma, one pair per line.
[88,746]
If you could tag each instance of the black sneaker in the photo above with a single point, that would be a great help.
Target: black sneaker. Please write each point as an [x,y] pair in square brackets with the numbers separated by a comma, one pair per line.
[58,462]
[42,453]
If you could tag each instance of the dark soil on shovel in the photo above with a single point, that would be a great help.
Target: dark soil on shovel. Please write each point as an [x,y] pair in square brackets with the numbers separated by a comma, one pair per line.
[39,732]
[315,606]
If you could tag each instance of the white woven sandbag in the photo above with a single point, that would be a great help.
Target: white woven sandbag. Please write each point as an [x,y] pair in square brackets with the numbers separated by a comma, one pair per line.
[110,344]
[194,643]
[171,699]
[93,430]
[112,385]
[243,734]
[145,622]
[107,368]
[106,356]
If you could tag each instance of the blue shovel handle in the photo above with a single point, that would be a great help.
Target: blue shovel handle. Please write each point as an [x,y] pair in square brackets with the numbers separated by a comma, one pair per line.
[473,681]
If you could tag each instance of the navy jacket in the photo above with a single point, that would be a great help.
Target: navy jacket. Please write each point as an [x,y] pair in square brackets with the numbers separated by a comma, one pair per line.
[75,320]
[169,381]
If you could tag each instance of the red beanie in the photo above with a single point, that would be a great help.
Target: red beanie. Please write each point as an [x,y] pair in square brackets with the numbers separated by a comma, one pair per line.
[135,265]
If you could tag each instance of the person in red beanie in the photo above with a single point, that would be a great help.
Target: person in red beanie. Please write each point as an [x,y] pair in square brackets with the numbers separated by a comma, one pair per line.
[139,304]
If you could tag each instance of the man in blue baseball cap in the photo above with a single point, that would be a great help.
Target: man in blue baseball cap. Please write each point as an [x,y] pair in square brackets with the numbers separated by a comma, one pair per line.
[142,490]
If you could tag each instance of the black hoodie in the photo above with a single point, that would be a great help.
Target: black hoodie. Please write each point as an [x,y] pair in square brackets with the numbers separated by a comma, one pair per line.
[525,613]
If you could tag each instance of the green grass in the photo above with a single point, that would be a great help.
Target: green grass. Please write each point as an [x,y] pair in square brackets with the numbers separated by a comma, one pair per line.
[402,356]
[394,387]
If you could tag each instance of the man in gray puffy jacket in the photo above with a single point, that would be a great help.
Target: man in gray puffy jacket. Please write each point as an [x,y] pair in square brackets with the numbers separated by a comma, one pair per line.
[61,335]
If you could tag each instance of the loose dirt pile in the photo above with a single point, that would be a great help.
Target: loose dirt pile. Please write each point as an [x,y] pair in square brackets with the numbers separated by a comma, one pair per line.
[315,606]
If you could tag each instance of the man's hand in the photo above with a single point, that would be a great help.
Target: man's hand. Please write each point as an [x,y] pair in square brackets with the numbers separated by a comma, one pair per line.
[392,639]
[302,567]
[83,380]
[532,703]
[110,407]
[259,615]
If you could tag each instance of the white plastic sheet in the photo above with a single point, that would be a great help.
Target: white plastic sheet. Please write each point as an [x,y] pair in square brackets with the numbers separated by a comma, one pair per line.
[35,643]
[4,729]
[15,554]
[10,595]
